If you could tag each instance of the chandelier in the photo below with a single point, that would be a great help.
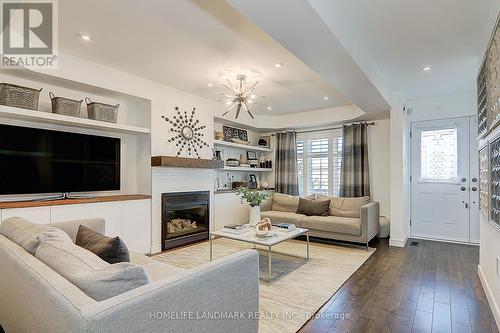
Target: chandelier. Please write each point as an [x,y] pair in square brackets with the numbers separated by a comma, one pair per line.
[240,96]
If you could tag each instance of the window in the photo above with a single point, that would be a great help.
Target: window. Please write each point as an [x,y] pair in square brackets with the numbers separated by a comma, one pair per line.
[319,158]
[439,155]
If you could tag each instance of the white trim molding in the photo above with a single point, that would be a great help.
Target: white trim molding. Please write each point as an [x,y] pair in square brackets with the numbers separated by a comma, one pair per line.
[495,308]
[444,239]
[398,242]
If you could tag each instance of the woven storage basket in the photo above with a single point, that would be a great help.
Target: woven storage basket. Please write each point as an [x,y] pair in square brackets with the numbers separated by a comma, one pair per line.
[101,111]
[19,96]
[65,106]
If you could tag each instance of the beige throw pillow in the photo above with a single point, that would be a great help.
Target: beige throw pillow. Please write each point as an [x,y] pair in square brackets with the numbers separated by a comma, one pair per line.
[347,207]
[29,235]
[87,271]
[285,202]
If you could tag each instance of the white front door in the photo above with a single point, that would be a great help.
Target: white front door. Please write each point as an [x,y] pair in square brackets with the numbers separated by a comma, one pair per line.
[444,205]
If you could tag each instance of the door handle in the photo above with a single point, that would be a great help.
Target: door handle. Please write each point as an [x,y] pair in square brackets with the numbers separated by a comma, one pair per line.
[474,189]
[474,180]
[463,188]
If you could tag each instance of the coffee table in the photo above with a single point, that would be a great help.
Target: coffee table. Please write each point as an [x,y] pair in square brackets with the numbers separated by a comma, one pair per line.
[268,242]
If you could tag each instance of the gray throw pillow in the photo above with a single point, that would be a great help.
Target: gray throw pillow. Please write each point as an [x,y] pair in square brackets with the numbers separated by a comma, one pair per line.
[91,274]
[111,250]
[313,207]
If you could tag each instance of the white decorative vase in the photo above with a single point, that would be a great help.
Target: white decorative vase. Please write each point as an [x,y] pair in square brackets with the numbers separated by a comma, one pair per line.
[254,215]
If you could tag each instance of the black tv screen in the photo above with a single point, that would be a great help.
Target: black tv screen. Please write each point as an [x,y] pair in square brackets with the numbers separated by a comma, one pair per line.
[43,161]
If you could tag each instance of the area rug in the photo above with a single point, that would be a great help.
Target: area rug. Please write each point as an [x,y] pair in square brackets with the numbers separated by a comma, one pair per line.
[290,301]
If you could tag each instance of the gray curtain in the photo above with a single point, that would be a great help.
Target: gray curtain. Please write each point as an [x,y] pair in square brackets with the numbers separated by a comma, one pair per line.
[286,163]
[355,176]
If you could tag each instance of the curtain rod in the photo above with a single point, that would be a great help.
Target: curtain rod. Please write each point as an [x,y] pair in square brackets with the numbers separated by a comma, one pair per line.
[332,128]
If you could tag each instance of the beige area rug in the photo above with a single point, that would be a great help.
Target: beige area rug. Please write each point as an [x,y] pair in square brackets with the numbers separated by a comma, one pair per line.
[289,302]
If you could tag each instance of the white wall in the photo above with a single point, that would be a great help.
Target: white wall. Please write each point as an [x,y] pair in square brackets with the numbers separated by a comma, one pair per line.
[400,223]
[379,159]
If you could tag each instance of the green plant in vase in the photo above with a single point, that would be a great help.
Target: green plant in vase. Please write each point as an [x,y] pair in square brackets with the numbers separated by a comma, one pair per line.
[255,199]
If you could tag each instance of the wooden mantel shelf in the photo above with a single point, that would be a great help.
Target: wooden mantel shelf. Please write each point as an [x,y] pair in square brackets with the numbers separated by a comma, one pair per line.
[107,198]
[184,162]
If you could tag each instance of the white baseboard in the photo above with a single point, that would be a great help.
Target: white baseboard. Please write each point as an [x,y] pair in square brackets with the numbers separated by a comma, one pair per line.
[155,249]
[495,308]
[398,242]
[444,239]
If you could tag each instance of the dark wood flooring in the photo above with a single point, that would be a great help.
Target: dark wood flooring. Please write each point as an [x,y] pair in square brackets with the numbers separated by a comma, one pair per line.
[432,287]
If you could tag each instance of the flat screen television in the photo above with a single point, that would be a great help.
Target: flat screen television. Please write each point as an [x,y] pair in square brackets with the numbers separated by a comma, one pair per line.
[44,161]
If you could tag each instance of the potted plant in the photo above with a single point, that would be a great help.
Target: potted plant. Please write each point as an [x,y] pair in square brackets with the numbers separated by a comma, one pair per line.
[254,198]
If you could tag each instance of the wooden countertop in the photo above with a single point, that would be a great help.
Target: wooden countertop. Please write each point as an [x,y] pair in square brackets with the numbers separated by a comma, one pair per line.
[38,203]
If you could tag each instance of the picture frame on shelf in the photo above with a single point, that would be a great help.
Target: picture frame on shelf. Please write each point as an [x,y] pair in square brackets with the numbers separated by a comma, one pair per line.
[243,135]
[228,132]
[251,155]
[252,181]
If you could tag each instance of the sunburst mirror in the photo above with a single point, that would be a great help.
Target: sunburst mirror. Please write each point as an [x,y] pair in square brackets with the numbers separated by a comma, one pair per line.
[187,134]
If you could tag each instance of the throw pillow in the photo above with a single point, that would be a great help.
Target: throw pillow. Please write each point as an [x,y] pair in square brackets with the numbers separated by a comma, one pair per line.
[91,274]
[29,235]
[347,207]
[285,202]
[111,250]
[313,207]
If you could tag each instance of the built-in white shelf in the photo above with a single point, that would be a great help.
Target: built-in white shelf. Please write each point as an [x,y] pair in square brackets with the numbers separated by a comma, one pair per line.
[57,119]
[240,145]
[245,169]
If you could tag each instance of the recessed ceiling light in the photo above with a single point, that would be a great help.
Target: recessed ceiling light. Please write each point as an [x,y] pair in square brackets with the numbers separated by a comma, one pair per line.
[426,68]
[269,108]
[210,85]
[250,101]
[252,96]
[84,37]
[278,65]
[325,97]
[228,103]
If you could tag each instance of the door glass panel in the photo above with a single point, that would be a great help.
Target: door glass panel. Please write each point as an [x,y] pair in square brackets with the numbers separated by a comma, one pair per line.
[439,155]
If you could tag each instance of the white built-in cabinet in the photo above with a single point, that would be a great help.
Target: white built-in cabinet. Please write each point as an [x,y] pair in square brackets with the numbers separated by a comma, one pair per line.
[39,215]
[131,219]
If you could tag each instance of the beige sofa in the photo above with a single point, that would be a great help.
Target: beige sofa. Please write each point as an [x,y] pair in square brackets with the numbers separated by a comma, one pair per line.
[349,219]
[34,298]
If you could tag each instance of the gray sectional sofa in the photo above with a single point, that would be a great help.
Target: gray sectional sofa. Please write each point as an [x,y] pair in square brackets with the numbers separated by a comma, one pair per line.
[349,219]
[36,298]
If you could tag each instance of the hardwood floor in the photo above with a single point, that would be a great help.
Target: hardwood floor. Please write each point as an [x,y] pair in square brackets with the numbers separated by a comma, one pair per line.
[432,287]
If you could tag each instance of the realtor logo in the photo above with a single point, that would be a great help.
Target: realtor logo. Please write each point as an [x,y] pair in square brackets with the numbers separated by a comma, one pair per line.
[29,34]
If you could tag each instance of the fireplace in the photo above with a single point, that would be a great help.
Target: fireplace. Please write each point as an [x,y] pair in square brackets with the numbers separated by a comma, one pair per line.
[185,218]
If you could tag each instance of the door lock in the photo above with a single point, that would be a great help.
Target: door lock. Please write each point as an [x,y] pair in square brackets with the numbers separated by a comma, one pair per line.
[464,180]
[474,180]
[463,188]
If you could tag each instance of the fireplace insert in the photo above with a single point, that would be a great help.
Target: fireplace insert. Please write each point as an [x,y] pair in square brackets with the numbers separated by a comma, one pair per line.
[185,218]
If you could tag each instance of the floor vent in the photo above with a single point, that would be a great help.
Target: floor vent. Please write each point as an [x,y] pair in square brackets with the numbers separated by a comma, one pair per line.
[414,243]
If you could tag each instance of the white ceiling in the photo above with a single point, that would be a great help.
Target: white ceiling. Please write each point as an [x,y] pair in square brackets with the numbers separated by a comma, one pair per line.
[359,52]
[190,43]
[404,36]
